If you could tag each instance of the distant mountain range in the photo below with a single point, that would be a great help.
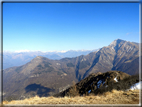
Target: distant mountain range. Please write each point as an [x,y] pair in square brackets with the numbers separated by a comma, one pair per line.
[42,76]
[11,59]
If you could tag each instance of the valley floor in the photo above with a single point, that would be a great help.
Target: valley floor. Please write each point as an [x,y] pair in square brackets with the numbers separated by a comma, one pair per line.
[113,97]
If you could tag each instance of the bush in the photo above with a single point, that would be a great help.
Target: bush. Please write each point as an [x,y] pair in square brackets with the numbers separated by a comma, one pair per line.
[73,91]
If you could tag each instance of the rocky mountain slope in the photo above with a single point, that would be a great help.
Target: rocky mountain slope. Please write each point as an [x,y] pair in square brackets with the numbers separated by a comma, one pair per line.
[99,83]
[42,76]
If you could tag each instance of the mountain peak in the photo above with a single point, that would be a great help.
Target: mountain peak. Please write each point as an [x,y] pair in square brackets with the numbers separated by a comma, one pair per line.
[39,58]
[115,42]
[119,40]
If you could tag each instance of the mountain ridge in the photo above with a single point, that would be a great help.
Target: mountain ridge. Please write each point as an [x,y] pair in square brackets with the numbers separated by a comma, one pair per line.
[57,74]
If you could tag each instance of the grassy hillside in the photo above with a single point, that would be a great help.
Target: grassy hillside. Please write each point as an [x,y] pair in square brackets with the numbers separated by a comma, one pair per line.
[113,97]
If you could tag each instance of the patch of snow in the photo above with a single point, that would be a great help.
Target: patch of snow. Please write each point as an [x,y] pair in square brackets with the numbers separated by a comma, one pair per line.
[99,83]
[64,74]
[130,48]
[2,93]
[136,86]
[120,54]
[58,64]
[125,44]
[112,48]
[62,51]
[83,59]
[127,47]
[35,75]
[116,79]
[89,91]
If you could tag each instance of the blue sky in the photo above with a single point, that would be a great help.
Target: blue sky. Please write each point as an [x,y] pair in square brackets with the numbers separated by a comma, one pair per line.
[68,26]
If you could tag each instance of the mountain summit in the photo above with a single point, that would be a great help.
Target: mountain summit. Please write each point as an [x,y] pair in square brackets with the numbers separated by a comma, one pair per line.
[117,41]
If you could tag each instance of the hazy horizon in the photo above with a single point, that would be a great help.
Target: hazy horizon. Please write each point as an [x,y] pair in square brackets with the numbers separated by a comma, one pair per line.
[61,51]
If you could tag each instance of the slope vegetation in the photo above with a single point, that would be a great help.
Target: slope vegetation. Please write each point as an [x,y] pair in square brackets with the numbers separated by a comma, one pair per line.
[113,97]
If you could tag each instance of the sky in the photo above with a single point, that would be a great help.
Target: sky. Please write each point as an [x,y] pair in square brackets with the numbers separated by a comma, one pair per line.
[68,26]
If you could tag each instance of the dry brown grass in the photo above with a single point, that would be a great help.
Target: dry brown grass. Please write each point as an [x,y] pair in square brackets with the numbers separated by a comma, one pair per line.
[113,97]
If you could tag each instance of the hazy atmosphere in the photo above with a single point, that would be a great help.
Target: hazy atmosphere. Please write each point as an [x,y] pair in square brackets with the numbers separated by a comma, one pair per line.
[68,26]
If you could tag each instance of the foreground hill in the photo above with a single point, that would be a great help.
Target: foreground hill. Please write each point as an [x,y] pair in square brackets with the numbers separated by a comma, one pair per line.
[112,87]
[44,77]
[99,83]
